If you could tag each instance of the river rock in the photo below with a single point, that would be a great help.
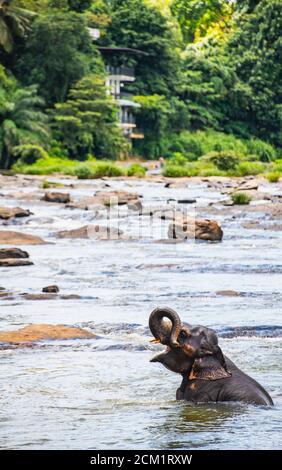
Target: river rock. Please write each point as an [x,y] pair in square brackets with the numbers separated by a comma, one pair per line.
[13,262]
[50,296]
[97,232]
[51,289]
[249,185]
[87,203]
[40,332]
[135,205]
[228,293]
[187,201]
[200,229]
[8,237]
[62,198]
[118,197]
[13,253]
[9,212]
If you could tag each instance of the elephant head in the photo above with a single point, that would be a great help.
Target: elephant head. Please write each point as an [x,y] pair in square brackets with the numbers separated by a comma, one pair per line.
[191,350]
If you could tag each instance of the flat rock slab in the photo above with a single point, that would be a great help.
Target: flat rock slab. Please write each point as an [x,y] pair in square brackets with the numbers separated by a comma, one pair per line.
[13,253]
[87,203]
[10,212]
[61,198]
[96,232]
[119,198]
[8,237]
[13,262]
[228,293]
[40,332]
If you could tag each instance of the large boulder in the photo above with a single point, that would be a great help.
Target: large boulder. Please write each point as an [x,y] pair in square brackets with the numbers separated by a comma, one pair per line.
[13,253]
[9,237]
[62,198]
[40,332]
[97,232]
[199,229]
[9,212]
[53,289]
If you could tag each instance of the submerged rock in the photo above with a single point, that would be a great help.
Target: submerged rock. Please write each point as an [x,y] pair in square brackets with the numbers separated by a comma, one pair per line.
[200,229]
[39,332]
[228,293]
[97,232]
[50,296]
[13,253]
[9,237]
[51,289]
[10,212]
[13,262]
[62,198]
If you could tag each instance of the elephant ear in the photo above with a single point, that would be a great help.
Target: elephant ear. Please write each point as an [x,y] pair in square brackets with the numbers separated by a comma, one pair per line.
[209,368]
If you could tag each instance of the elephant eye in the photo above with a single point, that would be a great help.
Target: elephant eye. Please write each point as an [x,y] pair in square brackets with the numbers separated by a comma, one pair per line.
[182,335]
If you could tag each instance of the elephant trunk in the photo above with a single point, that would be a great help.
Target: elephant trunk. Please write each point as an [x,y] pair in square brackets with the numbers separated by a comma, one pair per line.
[162,330]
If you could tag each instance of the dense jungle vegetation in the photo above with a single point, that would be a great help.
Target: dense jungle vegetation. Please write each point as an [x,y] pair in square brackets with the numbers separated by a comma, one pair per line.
[209,85]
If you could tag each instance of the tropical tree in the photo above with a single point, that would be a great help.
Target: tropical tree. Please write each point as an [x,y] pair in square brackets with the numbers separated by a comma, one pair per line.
[152,117]
[21,119]
[197,17]
[87,122]
[14,22]
[137,25]
[256,54]
[58,52]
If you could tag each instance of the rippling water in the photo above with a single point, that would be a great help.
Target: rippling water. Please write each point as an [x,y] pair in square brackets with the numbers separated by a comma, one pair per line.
[104,393]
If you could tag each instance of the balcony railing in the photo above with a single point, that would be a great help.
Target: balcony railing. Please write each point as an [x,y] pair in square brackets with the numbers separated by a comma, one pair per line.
[127,119]
[121,71]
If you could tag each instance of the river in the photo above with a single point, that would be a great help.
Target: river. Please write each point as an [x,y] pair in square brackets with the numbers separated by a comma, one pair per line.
[104,393]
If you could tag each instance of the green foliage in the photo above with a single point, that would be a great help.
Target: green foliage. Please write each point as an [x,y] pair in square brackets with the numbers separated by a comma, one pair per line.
[246,168]
[209,80]
[241,198]
[21,119]
[193,145]
[265,151]
[177,171]
[56,68]
[255,51]
[177,158]
[136,170]
[273,177]
[99,170]
[136,25]
[223,160]
[14,22]
[79,5]
[87,122]
[51,184]
[196,17]
[152,116]
[53,165]
[196,144]
[28,153]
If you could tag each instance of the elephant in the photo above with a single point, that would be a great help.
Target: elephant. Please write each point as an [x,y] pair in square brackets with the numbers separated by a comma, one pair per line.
[207,374]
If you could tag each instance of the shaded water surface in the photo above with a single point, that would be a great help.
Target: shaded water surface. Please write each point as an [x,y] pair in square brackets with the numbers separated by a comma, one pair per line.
[104,393]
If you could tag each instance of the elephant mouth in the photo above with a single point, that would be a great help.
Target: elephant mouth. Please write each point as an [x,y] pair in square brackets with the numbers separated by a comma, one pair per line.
[159,357]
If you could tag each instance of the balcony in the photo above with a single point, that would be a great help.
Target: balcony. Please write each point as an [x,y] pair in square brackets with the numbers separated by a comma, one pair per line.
[121,74]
